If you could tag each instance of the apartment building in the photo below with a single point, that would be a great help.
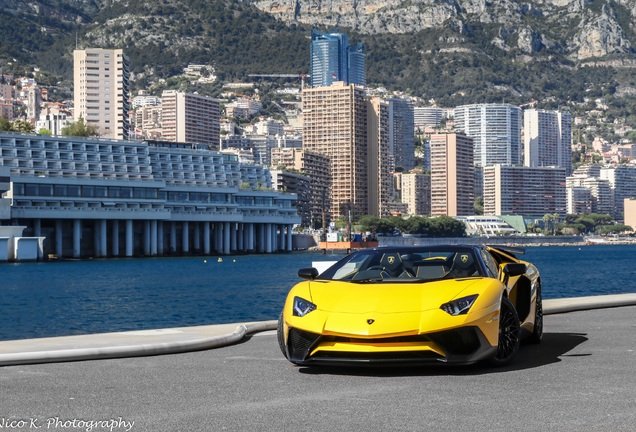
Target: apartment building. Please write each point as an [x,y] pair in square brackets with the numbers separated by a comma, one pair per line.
[622,179]
[190,118]
[518,190]
[401,133]
[335,125]
[317,167]
[452,175]
[547,137]
[496,132]
[416,193]
[380,159]
[101,89]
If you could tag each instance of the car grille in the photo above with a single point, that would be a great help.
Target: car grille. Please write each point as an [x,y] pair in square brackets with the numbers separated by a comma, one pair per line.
[460,341]
[301,340]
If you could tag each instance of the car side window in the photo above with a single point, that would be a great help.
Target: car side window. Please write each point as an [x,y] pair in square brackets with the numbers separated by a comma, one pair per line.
[491,265]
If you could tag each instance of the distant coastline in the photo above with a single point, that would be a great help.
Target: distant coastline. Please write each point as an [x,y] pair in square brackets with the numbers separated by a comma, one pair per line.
[520,241]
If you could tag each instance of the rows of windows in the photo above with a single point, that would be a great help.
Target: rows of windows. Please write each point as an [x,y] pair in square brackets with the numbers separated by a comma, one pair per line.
[82,191]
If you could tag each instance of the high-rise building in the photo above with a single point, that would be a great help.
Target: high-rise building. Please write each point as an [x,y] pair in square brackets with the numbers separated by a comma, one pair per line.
[335,125]
[496,132]
[547,138]
[622,179]
[401,133]
[379,156]
[102,90]
[316,167]
[599,191]
[190,118]
[333,59]
[298,184]
[519,190]
[452,189]
[427,116]
[416,192]
[579,200]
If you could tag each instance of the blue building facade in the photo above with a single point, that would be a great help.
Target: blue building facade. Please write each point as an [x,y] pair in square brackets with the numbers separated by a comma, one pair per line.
[333,59]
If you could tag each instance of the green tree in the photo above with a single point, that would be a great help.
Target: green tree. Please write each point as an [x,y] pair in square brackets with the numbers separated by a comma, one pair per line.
[5,125]
[479,205]
[23,126]
[80,129]
[614,229]
[44,131]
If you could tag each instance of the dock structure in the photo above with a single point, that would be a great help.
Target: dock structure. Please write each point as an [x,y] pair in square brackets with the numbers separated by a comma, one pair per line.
[94,197]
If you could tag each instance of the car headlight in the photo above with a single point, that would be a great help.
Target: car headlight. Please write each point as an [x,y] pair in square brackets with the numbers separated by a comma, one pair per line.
[459,306]
[302,307]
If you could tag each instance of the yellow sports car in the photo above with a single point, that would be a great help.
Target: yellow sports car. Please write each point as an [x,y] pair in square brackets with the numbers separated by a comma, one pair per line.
[388,305]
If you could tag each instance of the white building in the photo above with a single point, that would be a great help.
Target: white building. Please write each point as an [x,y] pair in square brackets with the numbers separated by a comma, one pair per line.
[622,180]
[102,90]
[547,137]
[496,132]
[427,116]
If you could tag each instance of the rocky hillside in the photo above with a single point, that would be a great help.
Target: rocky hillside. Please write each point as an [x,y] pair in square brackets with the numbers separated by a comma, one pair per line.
[449,51]
[578,28]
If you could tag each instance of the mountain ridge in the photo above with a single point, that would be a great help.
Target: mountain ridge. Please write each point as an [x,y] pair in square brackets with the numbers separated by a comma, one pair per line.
[448,52]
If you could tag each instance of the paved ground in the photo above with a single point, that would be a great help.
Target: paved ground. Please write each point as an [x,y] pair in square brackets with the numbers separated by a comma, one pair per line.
[582,378]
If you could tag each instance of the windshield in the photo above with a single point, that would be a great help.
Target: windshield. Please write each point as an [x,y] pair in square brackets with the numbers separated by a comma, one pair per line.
[405,265]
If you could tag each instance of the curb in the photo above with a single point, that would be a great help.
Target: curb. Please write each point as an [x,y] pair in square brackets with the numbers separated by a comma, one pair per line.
[565,305]
[79,354]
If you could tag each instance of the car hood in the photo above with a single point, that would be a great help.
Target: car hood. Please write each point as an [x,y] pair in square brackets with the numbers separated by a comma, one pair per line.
[387,298]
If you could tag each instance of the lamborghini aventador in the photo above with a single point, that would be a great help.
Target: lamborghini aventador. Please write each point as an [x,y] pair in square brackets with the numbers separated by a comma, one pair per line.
[395,305]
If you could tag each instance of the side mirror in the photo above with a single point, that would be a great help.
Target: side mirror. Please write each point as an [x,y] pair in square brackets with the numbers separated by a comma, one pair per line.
[308,273]
[515,269]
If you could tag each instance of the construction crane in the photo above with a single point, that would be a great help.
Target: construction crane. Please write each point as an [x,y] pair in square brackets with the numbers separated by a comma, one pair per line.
[301,76]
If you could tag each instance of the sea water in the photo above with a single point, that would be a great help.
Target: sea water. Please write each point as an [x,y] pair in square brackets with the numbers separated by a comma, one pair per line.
[95,296]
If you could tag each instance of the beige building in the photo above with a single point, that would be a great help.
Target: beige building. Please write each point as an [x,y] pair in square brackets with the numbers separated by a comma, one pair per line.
[452,175]
[630,212]
[335,125]
[101,90]
[416,192]
[190,118]
[526,191]
[379,157]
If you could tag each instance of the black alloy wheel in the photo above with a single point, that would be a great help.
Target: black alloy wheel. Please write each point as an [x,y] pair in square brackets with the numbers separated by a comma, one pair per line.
[509,327]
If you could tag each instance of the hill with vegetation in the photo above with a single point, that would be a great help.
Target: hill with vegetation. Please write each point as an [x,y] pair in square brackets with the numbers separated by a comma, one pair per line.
[449,52]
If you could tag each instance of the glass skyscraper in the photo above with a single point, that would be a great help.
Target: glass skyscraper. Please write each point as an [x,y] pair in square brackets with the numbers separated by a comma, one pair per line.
[333,59]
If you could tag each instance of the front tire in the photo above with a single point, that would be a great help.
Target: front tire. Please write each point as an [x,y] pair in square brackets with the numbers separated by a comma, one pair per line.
[280,329]
[537,331]
[508,343]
